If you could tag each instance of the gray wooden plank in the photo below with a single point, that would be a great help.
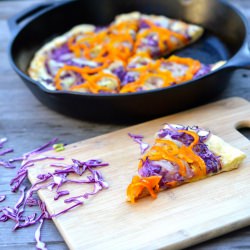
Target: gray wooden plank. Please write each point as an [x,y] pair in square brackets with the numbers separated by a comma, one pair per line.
[30,246]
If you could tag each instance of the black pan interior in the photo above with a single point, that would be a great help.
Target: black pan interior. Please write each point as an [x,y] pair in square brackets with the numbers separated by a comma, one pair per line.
[209,49]
[224,34]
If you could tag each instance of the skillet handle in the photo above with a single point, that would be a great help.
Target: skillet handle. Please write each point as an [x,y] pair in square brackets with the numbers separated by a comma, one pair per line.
[15,21]
[242,58]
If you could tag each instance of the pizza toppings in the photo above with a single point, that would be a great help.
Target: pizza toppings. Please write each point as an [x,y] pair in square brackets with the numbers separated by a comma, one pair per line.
[178,155]
[138,139]
[124,57]
[151,184]
[157,40]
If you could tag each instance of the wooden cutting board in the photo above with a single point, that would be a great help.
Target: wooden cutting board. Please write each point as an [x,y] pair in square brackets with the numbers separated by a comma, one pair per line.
[178,218]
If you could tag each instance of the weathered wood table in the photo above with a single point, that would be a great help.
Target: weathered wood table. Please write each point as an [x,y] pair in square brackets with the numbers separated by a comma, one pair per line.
[27,124]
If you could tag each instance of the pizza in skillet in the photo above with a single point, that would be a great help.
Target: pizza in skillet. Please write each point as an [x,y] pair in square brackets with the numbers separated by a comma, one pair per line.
[181,155]
[126,56]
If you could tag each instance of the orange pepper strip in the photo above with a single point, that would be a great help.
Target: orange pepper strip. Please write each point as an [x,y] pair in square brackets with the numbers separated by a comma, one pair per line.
[149,23]
[196,162]
[93,37]
[193,134]
[120,52]
[89,70]
[101,38]
[85,48]
[131,87]
[164,36]
[98,77]
[88,42]
[167,78]
[82,71]
[125,26]
[193,66]
[92,83]
[101,75]
[171,146]
[75,50]
[65,68]
[97,40]
[152,66]
[141,162]
[172,184]
[140,54]
[138,184]
[80,86]
[166,155]
[74,45]
[187,61]
[179,36]
[122,37]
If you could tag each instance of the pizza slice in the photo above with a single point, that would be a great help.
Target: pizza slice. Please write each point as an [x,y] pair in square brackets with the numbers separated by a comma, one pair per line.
[181,155]
[145,73]
[160,35]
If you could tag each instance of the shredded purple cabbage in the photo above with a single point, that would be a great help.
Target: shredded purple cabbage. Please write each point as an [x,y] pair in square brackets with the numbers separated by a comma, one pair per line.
[2,198]
[44,148]
[6,151]
[212,161]
[205,69]
[6,164]
[169,171]
[31,202]
[186,139]
[100,28]
[48,69]
[120,72]
[129,77]
[60,194]
[151,41]
[39,244]
[78,203]
[143,24]
[150,168]
[53,181]
[2,141]
[57,53]
[138,139]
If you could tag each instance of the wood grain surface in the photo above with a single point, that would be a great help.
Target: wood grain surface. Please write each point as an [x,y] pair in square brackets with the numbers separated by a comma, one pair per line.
[28,124]
[179,217]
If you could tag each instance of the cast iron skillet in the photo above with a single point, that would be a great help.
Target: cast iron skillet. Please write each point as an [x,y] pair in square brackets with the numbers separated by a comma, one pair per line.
[225,39]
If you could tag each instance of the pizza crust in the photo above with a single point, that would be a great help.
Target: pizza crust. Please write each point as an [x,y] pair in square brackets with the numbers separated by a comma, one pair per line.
[230,156]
